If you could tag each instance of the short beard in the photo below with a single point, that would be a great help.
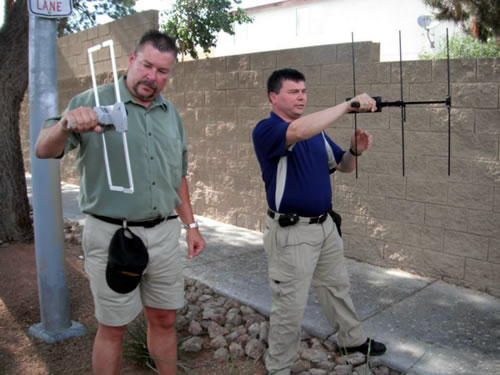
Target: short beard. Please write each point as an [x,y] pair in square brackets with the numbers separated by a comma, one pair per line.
[150,85]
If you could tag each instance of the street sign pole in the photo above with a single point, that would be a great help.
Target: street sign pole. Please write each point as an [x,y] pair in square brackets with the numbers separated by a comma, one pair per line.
[55,322]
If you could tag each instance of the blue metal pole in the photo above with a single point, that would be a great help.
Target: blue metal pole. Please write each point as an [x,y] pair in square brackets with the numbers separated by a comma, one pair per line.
[47,208]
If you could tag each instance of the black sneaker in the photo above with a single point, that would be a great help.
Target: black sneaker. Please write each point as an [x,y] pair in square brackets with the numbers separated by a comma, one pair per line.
[369,347]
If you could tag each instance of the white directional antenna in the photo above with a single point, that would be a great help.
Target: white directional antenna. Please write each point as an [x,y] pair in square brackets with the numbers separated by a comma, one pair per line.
[122,129]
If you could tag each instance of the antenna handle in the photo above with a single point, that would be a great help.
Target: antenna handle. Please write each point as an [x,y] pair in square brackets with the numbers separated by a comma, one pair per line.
[378,101]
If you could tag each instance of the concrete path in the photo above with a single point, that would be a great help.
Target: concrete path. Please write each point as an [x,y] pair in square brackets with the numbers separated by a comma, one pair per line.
[430,327]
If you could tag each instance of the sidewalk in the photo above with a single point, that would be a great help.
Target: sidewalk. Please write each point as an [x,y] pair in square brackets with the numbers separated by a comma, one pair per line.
[430,327]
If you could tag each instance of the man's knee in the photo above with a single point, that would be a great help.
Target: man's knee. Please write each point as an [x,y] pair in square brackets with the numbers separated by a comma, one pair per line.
[110,333]
[160,318]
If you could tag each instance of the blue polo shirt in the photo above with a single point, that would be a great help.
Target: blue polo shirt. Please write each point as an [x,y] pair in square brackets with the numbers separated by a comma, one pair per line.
[303,168]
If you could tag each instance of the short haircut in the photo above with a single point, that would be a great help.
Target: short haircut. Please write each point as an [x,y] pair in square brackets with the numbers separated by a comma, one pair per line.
[161,41]
[275,80]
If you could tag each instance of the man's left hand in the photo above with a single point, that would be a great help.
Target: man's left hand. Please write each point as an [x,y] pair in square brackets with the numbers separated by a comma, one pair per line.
[195,242]
[361,141]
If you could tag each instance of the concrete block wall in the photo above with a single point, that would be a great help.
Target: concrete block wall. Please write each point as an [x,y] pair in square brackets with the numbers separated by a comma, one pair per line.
[425,222]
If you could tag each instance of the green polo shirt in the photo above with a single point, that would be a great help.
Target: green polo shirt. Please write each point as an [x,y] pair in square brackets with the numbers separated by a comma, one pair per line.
[157,152]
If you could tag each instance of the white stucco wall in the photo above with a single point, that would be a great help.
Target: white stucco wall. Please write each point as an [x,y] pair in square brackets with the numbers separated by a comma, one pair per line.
[317,22]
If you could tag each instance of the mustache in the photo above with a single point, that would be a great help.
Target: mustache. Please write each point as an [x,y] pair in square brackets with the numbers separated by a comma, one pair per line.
[148,83]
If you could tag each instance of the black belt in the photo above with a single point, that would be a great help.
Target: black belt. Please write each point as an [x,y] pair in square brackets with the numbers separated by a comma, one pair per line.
[146,223]
[291,219]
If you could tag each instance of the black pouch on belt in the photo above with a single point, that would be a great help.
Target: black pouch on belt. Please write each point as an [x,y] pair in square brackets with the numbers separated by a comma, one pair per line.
[286,220]
[337,219]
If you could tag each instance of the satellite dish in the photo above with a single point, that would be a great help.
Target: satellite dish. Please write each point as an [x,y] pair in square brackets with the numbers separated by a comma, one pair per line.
[424,21]
[427,22]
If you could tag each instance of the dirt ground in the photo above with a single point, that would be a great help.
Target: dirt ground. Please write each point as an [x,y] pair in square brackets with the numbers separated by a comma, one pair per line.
[21,353]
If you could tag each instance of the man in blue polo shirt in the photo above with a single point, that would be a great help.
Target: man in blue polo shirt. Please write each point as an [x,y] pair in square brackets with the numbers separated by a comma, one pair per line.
[301,238]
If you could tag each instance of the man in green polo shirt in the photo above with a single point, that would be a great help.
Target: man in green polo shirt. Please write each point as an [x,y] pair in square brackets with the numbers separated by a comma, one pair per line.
[158,159]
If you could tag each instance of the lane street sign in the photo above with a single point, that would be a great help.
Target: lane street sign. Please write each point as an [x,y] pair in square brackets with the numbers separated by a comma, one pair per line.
[51,8]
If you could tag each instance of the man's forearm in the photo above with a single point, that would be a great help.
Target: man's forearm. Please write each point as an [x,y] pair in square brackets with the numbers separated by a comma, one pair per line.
[51,141]
[310,125]
[184,210]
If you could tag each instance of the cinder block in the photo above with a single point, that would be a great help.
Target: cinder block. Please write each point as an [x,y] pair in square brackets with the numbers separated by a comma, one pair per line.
[377,73]
[438,265]
[486,172]
[290,57]
[382,162]
[474,146]
[405,211]
[461,120]
[426,191]
[417,119]
[388,230]
[363,248]
[349,182]
[247,98]
[475,95]
[363,52]
[248,221]
[354,224]
[312,74]
[461,70]
[103,30]
[238,63]
[478,197]
[390,92]
[250,79]
[195,99]
[338,74]
[494,250]
[321,96]
[215,98]
[320,55]
[488,69]
[487,121]
[406,257]
[384,141]
[424,237]
[413,72]
[363,204]
[496,206]
[466,245]
[263,60]
[387,186]
[483,222]
[446,217]
[482,275]
[431,92]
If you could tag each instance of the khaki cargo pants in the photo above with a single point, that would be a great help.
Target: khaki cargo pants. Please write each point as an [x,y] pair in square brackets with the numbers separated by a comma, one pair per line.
[299,256]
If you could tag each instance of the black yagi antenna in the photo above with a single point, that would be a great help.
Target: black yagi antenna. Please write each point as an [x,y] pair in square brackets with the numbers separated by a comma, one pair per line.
[402,103]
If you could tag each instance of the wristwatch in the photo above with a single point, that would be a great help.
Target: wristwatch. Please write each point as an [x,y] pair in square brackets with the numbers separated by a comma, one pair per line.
[354,153]
[192,225]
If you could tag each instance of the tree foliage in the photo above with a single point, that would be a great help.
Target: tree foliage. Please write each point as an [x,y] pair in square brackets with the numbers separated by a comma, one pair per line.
[85,14]
[195,23]
[464,46]
[479,18]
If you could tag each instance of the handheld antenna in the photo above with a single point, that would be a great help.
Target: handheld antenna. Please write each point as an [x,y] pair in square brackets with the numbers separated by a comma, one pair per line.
[403,107]
[354,95]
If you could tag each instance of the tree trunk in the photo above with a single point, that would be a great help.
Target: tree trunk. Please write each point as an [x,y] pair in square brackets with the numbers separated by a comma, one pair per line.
[15,222]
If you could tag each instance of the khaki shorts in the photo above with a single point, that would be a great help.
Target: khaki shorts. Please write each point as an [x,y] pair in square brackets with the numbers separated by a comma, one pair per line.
[162,283]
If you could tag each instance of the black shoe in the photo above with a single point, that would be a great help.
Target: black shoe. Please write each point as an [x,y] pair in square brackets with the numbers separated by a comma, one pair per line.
[369,347]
